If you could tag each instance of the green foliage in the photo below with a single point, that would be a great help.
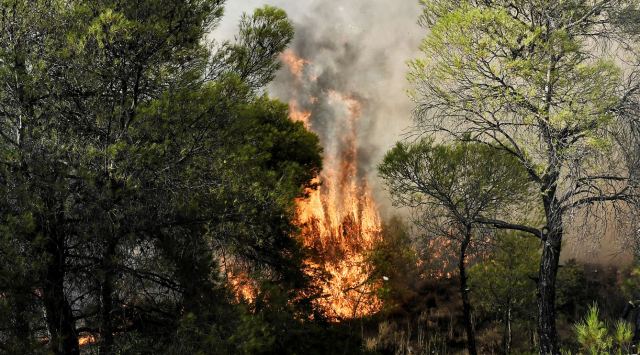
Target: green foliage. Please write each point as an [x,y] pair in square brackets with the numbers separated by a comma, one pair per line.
[622,337]
[504,280]
[395,262]
[592,333]
[631,283]
[594,337]
[262,37]
[572,298]
[138,165]
[471,48]
[537,80]
[468,180]
[454,188]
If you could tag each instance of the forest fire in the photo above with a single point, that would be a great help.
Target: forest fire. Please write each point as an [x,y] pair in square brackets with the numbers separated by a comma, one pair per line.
[294,63]
[299,116]
[87,339]
[339,220]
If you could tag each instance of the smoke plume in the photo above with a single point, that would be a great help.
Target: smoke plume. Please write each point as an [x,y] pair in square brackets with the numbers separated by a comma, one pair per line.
[358,47]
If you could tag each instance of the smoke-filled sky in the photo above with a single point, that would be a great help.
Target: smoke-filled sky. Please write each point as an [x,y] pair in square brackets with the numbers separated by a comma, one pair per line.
[359,47]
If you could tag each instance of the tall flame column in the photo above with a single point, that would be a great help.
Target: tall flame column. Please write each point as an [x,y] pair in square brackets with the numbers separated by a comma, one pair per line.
[339,220]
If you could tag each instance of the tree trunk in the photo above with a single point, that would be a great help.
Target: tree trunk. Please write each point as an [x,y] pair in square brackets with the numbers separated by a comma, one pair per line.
[507,330]
[532,337]
[547,287]
[23,332]
[464,291]
[636,327]
[63,336]
[106,326]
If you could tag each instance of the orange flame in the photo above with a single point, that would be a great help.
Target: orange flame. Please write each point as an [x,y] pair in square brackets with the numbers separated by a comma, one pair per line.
[86,339]
[339,220]
[243,286]
[294,63]
[299,116]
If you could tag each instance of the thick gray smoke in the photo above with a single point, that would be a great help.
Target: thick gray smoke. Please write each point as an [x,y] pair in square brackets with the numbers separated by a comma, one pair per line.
[357,47]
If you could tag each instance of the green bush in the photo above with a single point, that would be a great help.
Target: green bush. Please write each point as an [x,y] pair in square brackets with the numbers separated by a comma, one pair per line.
[595,338]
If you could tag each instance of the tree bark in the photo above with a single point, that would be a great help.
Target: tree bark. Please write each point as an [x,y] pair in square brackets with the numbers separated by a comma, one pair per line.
[63,336]
[23,332]
[547,287]
[636,328]
[106,293]
[507,330]
[464,292]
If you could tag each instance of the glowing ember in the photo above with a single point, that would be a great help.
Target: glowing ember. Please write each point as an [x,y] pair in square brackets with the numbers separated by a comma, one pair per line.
[244,287]
[86,339]
[339,220]
[83,340]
